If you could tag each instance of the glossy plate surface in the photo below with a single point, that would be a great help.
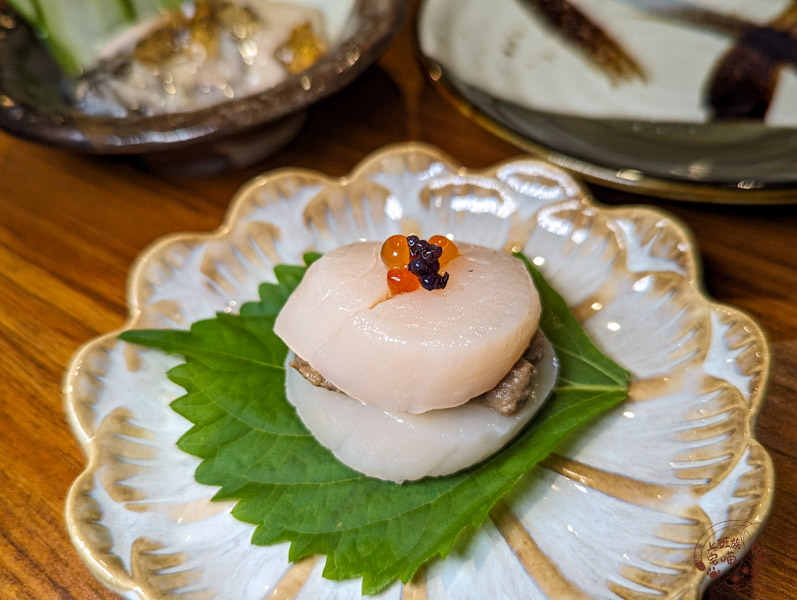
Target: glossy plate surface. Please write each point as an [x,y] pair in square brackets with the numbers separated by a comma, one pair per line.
[502,65]
[617,512]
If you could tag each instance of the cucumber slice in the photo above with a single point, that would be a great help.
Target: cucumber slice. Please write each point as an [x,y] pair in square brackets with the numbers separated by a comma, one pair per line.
[144,9]
[76,30]
[26,9]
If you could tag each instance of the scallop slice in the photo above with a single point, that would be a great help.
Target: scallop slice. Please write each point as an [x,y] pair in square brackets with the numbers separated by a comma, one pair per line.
[418,351]
[400,446]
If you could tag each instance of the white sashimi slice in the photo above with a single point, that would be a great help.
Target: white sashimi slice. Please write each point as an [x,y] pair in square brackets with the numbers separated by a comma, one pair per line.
[401,446]
[417,351]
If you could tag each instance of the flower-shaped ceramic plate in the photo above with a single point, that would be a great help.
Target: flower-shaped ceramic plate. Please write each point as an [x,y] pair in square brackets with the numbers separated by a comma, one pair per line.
[626,509]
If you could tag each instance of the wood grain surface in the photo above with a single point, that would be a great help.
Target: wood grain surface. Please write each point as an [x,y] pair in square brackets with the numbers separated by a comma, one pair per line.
[70,226]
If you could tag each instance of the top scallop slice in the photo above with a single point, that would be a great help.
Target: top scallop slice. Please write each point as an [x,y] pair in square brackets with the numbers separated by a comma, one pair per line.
[417,351]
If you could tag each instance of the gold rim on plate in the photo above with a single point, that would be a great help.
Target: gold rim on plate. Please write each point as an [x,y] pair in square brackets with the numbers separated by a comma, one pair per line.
[627,180]
[84,516]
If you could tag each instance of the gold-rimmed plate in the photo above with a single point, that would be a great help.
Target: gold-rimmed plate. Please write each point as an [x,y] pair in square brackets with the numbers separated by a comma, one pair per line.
[626,509]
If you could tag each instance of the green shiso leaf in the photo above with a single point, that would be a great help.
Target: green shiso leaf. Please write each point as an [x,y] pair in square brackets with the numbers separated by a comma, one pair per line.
[257,451]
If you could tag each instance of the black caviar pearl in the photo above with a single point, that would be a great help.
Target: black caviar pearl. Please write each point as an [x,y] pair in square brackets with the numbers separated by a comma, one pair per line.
[430,281]
[432,265]
[418,267]
[442,281]
[437,251]
[427,253]
[422,245]
[412,242]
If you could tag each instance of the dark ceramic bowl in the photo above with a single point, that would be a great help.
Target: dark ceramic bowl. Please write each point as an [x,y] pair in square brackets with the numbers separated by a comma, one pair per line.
[235,133]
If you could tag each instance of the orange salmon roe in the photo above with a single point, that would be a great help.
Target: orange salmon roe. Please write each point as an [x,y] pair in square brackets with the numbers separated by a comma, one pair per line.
[401,281]
[450,251]
[395,252]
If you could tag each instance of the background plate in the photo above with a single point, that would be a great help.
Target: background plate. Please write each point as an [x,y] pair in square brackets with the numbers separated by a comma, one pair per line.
[734,162]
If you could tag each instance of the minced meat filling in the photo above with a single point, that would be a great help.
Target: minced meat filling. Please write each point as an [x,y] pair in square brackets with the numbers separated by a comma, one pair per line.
[311,375]
[511,393]
[506,398]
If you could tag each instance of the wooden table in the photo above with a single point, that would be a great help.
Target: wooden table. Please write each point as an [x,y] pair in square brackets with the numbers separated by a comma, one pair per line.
[70,226]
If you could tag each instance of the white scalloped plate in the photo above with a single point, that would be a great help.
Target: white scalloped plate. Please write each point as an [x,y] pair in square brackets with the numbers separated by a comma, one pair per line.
[617,512]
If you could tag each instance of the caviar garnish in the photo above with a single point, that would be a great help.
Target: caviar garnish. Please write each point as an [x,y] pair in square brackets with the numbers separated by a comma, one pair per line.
[418,267]
[431,252]
[429,281]
[396,251]
[434,281]
[401,281]
[413,262]
[448,250]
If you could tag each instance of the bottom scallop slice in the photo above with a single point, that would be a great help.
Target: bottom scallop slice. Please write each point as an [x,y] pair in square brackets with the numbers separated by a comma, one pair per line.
[401,446]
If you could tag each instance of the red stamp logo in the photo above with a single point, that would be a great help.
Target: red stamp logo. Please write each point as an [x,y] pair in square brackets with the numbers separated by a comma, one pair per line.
[723,545]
